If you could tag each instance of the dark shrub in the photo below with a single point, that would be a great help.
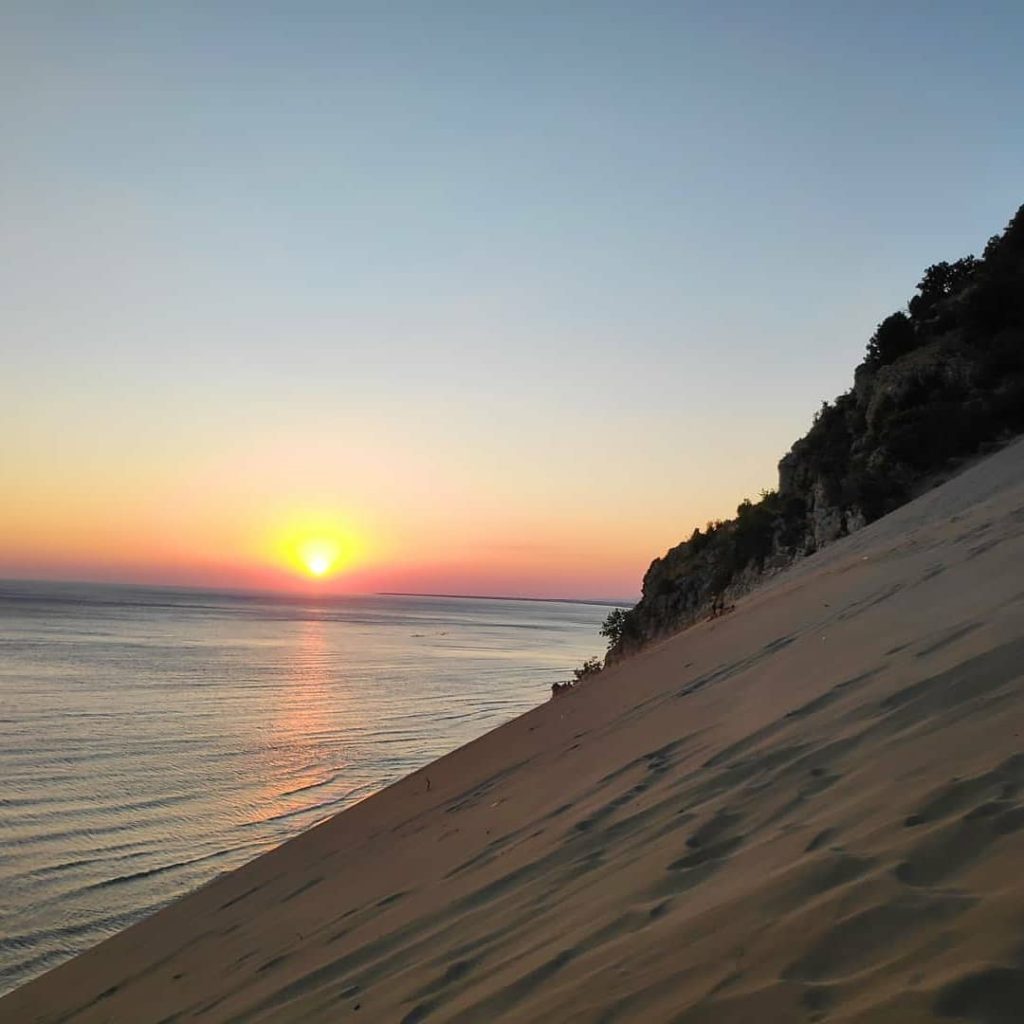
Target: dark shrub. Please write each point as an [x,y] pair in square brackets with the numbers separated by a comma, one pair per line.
[894,337]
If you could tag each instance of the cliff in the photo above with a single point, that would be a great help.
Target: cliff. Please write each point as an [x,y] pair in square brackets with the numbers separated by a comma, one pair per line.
[942,379]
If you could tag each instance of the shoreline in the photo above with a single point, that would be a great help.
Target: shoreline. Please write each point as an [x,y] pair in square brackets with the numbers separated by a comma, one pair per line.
[776,813]
[253,728]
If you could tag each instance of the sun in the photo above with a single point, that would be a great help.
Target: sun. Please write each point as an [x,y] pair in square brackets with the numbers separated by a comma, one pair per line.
[315,546]
[319,555]
[318,565]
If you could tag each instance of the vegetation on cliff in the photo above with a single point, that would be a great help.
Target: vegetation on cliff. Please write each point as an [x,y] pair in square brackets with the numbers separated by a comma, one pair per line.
[941,379]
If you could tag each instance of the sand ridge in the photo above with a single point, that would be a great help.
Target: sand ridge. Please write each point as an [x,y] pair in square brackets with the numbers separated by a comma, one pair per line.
[810,809]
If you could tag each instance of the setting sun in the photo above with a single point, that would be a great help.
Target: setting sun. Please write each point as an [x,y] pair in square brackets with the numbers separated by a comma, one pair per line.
[316,545]
[320,556]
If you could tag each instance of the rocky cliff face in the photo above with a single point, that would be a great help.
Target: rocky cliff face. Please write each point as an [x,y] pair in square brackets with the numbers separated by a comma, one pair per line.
[941,380]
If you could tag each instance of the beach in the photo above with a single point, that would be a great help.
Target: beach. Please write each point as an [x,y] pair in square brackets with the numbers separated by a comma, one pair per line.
[811,808]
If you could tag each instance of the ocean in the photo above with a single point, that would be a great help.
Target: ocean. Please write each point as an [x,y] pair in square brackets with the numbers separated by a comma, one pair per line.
[151,739]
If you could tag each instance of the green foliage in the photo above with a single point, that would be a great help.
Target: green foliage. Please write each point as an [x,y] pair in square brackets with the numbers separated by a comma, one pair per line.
[754,532]
[940,282]
[618,626]
[698,541]
[944,279]
[971,313]
[589,668]
[894,337]
[994,307]
[918,436]
[827,446]
[613,625]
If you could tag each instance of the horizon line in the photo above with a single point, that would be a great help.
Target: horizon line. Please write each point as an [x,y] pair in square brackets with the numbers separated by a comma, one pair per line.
[505,597]
[273,592]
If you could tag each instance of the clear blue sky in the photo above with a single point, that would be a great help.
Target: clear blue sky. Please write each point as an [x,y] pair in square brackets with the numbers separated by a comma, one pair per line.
[570,273]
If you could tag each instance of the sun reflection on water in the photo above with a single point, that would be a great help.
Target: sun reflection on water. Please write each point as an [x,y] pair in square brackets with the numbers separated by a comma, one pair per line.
[301,759]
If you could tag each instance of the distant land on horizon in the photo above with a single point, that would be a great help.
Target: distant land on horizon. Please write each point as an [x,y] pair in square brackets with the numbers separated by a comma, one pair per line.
[505,597]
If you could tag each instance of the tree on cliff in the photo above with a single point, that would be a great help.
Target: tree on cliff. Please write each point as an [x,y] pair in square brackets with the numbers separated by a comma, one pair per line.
[893,338]
[617,626]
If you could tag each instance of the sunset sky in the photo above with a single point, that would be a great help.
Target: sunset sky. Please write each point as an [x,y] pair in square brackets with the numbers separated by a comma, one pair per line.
[487,298]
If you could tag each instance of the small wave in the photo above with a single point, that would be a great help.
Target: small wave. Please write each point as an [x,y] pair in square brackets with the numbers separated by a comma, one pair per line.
[161,869]
[314,785]
[23,969]
[88,832]
[104,925]
[81,809]
[333,805]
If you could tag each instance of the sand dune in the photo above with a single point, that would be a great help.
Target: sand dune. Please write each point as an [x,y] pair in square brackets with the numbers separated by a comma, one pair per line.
[811,809]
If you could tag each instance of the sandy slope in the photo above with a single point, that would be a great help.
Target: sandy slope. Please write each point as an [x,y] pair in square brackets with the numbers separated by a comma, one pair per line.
[812,809]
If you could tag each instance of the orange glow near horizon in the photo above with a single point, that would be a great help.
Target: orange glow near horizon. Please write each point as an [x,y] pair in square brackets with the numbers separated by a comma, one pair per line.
[280,522]
[297,544]
[325,501]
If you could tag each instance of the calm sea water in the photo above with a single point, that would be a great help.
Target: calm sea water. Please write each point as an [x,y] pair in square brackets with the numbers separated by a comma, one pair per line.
[152,738]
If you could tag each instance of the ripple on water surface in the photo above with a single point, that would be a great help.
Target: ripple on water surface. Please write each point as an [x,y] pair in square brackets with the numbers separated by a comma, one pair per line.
[152,739]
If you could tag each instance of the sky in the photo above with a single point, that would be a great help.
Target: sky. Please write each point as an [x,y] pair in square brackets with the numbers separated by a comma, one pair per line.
[486,298]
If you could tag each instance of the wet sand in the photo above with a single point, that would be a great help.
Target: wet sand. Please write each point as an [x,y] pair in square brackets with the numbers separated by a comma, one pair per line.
[809,809]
